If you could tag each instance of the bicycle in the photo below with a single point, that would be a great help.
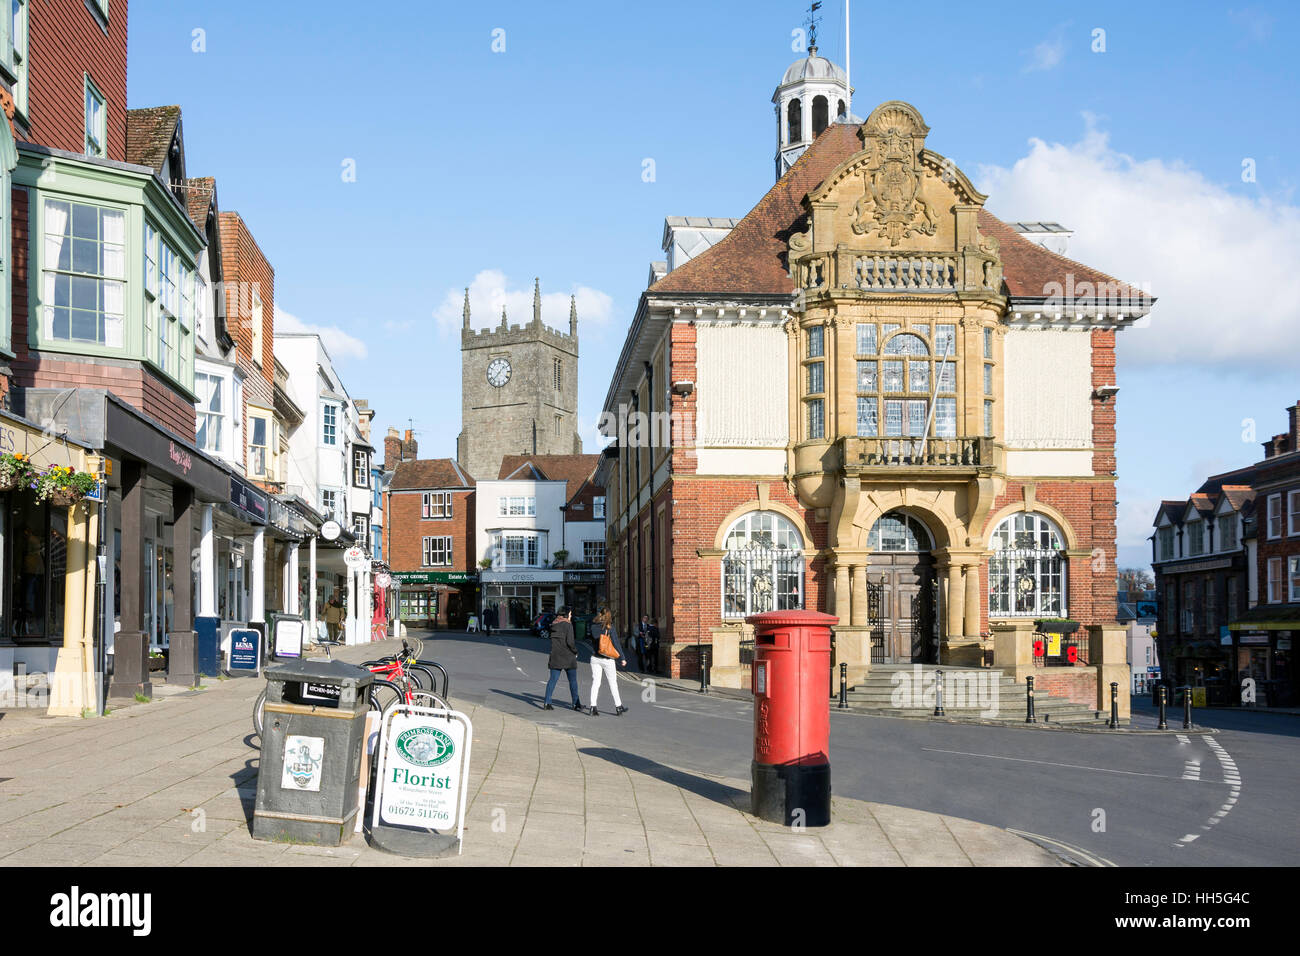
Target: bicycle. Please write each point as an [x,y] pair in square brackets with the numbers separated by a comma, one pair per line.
[397,680]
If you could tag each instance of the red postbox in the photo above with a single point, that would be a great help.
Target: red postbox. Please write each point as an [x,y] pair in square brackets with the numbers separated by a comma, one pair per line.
[791,770]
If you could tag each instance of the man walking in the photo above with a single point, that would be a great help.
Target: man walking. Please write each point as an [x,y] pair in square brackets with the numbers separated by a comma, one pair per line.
[564,657]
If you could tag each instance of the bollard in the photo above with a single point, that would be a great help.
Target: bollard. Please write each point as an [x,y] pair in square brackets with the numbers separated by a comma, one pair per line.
[844,685]
[938,694]
[1187,707]
[1029,701]
[704,677]
[1114,705]
[1164,724]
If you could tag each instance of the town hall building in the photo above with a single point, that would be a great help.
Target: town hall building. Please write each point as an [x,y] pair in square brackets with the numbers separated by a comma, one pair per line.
[885,403]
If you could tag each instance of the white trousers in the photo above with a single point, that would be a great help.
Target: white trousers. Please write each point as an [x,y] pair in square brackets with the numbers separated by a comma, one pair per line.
[604,666]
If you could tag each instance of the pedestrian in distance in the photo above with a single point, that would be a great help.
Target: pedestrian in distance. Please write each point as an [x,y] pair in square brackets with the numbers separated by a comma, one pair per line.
[605,650]
[564,657]
[333,616]
[642,635]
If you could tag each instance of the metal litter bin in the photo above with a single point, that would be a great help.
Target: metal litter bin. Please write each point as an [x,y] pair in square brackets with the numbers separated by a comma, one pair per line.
[310,767]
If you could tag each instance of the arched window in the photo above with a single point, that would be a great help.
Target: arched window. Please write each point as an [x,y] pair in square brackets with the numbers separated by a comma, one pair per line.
[794,122]
[898,532]
[819,117]
[841,111]
[1027,568]
[763,566]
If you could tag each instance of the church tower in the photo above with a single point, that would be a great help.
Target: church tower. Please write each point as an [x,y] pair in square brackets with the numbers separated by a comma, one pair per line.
[519,390]
[813,93]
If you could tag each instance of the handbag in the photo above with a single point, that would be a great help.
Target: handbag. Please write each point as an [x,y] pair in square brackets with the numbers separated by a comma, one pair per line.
[605,647]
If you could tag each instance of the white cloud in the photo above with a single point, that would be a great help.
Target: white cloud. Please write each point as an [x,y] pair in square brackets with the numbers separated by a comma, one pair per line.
[1048,54]
[338,343]
[491,290]
[1222,264]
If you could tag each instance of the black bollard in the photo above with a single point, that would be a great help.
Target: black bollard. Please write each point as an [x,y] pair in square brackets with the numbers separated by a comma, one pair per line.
[1029,701]
[1164,724]
[1114,705]
[1187,707]
[844,685]
[938,694]
[704,679]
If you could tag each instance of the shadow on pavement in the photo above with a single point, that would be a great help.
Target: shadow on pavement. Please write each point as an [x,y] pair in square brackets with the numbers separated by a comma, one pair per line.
[713,790]
[535,700]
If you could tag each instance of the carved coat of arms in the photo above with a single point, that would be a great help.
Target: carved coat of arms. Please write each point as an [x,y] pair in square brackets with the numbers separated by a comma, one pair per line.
[891,206]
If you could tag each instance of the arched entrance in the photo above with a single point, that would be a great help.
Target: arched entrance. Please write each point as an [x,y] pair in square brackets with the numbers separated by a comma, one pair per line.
[902,592]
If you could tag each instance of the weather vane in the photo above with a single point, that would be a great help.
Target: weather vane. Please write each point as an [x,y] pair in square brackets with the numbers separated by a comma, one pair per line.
[812,22]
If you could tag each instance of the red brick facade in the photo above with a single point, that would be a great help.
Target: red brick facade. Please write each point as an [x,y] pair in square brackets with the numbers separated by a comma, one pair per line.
[405,530]
[65,44]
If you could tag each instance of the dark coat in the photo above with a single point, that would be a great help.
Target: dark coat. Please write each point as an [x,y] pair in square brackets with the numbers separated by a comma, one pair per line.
[564,649]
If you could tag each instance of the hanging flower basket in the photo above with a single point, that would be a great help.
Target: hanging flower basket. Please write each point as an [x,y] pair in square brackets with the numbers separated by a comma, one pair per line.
[15,471]
[63,486]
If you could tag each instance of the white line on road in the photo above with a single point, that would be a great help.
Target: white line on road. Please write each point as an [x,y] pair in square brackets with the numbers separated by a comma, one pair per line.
[1182,739]
[1091,859]
[1048,763]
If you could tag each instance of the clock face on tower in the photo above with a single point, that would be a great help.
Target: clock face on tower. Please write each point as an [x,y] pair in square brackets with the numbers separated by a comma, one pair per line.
[498,372]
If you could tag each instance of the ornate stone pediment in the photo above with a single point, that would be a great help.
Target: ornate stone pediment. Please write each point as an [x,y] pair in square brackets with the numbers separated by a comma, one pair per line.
[891,206]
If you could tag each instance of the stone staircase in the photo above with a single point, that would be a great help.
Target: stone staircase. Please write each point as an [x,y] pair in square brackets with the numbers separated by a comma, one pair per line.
[970,693]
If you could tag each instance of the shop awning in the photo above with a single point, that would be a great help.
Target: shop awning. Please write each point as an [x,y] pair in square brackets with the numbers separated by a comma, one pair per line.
[1269,617]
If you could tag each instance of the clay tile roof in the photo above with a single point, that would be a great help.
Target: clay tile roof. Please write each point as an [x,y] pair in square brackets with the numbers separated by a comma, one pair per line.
[198,198]
[1238,495]
[1029,269]
[1203,503]
[429,473]
[1173,510]
[149,135]
[752,257]
[573,470]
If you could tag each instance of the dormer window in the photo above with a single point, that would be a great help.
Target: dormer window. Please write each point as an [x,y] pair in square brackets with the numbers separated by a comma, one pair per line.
[1228,532]
[1165,539]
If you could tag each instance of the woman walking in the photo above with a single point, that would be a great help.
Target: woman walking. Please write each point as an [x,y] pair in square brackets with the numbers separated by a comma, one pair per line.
[564,657]
[605,650]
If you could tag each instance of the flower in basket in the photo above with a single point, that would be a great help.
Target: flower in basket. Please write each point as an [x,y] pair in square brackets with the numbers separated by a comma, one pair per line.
[63,484]
[15,470]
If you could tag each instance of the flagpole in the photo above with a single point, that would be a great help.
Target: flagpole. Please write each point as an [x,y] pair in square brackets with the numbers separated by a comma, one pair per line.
[848,74]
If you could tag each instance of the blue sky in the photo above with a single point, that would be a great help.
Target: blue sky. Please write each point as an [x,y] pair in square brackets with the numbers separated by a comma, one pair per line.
[528,162]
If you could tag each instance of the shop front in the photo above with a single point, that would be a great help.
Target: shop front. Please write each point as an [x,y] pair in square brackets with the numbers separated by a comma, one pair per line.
[436,599]
[44,542]
[1261,651]
[517,597]
[156,486]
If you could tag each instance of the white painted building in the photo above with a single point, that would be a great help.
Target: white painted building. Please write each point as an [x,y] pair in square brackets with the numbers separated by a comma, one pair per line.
[329,467]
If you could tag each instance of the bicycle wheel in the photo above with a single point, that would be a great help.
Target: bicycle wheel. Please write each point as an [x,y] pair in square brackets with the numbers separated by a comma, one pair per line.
[259,713]
[383,694]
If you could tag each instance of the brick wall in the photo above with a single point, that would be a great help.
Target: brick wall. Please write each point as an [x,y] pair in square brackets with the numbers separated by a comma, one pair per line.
[1284,547]
[66,42]
[243,268]
[1075,684]
[406,529]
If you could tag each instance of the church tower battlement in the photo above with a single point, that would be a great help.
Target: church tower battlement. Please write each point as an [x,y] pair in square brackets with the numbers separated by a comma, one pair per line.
[519,390]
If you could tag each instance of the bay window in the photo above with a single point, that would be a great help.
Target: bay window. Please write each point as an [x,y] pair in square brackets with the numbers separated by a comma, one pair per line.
[898,384]
[210,411]
[329,503]
[329,424]
[517,548]
[83,273]
[260,448]
[360,468]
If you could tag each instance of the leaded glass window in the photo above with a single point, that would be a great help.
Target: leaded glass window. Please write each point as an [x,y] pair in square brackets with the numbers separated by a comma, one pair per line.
[1027,575]
[763,569]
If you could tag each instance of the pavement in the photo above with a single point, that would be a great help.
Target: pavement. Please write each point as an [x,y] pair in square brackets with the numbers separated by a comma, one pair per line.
[173,782]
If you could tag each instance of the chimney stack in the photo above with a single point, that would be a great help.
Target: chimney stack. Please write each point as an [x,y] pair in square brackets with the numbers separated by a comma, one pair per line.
[1293,414]
[392,449]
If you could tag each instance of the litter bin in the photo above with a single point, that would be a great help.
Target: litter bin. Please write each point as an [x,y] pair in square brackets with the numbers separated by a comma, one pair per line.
[310,767]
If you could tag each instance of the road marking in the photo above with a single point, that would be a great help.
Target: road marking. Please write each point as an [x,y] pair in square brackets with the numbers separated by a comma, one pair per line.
[1231,776]
[1189,838]
[1047,763]
[1091,859]
[1192,770]
[1182,739]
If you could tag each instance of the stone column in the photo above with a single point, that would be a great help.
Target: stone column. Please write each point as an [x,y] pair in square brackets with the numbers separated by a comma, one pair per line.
[291,599]
[956,602]
[70,692]
[843,598]
[1107,652]
[257,599]
[859,613]
[183,653]
[971,623]
[131,645]
[207,602]
[311,584]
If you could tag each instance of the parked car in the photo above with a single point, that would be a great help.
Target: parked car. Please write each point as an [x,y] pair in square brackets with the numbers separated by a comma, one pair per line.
[542,624]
